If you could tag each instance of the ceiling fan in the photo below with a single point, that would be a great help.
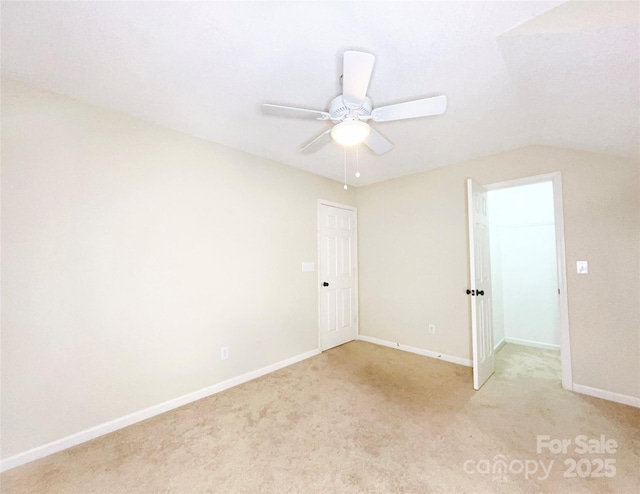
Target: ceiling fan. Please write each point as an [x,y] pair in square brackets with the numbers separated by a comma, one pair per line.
[351,110]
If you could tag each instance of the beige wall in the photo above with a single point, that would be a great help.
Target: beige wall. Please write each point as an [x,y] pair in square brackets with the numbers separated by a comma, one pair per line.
[130,255]
[414,261]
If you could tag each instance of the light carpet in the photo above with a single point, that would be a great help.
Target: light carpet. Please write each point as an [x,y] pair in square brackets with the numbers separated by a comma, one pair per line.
[361,418]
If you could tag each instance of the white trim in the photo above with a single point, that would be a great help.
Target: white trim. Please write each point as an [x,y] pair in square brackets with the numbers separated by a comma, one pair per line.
[419,351]
[565,346]
[500,345]
[633,401]
[323,202]
[336,205]
[518,182]
[518,341]
[135,417]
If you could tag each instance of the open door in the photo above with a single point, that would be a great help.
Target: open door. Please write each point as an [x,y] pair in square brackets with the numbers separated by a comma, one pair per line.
[480,292]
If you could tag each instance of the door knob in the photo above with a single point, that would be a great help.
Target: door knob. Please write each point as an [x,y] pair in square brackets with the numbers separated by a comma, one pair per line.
[324,283]
[480,292]
[471,292]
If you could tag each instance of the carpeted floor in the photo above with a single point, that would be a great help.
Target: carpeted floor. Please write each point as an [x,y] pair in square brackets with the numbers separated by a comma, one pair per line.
[362,418]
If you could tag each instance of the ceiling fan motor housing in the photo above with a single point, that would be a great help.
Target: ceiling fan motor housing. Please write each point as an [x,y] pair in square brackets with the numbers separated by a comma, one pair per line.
[339,111]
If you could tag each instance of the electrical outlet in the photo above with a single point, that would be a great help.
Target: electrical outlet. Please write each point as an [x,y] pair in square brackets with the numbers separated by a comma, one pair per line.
[432,329]
[224,353]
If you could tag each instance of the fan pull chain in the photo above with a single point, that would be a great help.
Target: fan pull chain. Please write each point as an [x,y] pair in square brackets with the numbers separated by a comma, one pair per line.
[357,161]
[345,169]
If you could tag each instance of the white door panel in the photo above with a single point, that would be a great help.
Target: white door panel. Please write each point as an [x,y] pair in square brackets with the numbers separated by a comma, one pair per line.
[338,270]
[480,276]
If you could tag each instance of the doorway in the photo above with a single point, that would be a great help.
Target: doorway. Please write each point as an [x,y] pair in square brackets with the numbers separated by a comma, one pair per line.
[524,276]
[524,246]
[524,270]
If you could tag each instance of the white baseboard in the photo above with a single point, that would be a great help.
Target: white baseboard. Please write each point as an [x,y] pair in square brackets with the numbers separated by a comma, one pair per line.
[518,341]
[132,418]
[419,351]
[607,395]
[502,343]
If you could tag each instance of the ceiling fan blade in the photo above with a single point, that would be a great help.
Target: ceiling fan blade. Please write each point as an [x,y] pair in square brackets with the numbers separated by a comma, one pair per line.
[317,143]
[356,73]
[377,143]
[411,109]
[289,111]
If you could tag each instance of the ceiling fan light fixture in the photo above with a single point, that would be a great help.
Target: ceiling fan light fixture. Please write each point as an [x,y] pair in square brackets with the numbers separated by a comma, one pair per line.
[350,132]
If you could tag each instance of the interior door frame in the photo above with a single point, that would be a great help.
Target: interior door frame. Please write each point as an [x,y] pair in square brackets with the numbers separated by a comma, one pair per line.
[323,202]
[558,215]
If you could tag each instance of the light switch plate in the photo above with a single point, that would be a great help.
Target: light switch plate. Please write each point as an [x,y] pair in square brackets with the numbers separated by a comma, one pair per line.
[308,267]
[582,267]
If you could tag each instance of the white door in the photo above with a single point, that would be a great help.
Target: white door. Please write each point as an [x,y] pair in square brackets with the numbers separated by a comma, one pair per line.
[338,277]
[480,264]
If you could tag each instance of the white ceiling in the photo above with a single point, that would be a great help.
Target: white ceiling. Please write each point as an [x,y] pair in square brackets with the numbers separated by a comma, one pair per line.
[515,73]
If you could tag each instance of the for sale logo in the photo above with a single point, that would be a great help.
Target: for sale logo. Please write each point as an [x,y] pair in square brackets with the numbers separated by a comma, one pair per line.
[582,445]
[500,467]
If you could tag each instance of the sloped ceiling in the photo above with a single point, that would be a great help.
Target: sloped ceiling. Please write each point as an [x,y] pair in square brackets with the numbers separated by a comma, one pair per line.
[515,73]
